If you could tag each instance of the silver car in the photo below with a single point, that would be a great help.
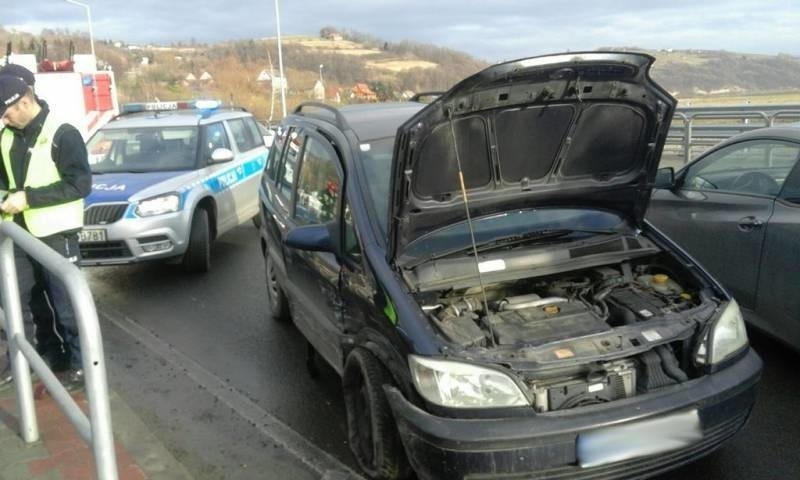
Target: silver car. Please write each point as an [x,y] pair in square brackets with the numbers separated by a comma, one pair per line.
[736,209]
[168,179]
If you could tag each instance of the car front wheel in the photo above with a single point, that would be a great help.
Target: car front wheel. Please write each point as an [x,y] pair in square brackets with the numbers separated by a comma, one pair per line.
[197,258]
[372,431]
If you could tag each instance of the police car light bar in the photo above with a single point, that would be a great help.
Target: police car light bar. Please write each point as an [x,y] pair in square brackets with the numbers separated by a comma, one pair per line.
[170,106]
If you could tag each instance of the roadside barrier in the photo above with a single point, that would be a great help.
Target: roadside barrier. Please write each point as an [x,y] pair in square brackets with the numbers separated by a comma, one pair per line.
[696,129]
[95,430]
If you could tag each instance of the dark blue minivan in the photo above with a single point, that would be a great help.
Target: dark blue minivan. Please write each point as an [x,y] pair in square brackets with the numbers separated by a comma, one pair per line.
[479,272]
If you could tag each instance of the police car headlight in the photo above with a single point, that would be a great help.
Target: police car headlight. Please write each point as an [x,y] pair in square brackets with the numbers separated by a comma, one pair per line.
[464,385]
[159,205]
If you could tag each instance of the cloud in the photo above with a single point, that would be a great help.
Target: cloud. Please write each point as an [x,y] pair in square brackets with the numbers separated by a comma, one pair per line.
[500,29]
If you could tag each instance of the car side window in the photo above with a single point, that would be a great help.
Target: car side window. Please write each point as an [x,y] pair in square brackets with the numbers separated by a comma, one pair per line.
[215,137]
[289,164]
[318,184]
[243,136]
[752,167]
[791,188]
[275,153]
[255,132]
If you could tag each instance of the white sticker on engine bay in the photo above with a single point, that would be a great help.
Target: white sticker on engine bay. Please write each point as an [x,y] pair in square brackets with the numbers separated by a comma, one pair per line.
[491,266]
[651,335]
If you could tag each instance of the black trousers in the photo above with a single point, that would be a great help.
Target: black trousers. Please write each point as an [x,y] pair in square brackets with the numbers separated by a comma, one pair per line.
[47,312]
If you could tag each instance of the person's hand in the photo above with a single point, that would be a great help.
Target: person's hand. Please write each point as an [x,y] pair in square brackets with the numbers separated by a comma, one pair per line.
[15,203]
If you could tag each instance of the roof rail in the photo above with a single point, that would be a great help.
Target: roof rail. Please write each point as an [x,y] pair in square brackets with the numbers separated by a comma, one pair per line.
[340,122]
[416,97]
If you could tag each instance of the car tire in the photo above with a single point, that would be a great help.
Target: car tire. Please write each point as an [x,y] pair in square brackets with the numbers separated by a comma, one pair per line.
[278,303]
[197,258]
[372,431]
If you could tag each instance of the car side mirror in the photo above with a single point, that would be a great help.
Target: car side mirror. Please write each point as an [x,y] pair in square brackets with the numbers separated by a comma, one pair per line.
[221,155]
[314,238]
[665,178]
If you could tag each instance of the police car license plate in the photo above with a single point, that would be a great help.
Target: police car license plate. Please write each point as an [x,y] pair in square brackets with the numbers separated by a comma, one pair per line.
[92,235]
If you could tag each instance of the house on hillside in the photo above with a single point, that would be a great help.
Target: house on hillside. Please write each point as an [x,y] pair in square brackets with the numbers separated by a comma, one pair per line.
[334,93]
[362,92]
[206,77]
[319,90]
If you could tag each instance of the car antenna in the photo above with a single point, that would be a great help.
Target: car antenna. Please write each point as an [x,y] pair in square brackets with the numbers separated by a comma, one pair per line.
[469,225]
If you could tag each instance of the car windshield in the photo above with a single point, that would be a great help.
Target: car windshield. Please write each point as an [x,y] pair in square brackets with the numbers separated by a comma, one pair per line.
[376,160]
[517,224]
[149,149]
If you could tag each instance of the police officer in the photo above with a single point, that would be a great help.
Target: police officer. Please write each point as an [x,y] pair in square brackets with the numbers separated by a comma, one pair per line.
[44,163]
[49,337]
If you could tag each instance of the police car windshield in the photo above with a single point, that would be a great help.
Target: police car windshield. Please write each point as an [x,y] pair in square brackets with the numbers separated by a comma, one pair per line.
[149,149]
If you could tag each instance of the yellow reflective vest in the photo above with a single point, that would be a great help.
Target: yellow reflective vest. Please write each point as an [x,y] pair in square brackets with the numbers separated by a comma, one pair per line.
[42,171]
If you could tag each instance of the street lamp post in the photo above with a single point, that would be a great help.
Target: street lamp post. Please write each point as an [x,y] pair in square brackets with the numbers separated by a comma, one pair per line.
[91,34]
[280,59]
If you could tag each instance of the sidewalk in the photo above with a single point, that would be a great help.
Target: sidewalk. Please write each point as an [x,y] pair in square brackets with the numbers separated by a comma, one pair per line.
[60,453]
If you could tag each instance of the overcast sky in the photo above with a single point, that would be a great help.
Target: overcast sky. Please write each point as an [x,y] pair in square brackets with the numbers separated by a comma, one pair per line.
[489,29]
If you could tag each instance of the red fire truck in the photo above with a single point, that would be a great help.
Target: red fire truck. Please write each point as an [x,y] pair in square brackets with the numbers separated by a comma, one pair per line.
[75,89]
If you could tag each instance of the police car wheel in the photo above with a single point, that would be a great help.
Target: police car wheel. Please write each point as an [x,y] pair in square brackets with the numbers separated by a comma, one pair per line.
[197,258]
[278,303]
[372,431]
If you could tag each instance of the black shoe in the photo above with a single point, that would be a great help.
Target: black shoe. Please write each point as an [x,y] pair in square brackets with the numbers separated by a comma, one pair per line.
[73,380]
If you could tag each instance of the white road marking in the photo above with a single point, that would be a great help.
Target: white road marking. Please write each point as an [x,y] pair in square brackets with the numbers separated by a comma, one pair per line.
[319,460]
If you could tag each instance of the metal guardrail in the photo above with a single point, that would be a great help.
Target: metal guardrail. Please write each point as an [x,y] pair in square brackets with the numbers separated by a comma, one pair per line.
[96,430]
[704,127]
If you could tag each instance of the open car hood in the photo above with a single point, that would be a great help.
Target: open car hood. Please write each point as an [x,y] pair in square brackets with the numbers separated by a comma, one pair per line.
[575,129]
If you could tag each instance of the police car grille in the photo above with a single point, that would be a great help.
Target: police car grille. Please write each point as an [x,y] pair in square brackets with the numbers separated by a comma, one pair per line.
[103,214]
[104,250]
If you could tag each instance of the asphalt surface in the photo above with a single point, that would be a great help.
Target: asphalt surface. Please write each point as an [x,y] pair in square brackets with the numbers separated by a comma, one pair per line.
[226,389]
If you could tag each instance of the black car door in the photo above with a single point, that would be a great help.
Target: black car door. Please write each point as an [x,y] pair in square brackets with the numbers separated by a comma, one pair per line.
[314,277]
[778,309]
[277,189]
[721,207]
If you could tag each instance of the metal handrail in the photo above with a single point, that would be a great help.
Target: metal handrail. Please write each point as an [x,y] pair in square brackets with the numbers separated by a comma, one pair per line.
[96,430]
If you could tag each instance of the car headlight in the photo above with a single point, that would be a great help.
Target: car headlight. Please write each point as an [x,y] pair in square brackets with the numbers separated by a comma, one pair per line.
[462,385]
[728,335]
[159,205]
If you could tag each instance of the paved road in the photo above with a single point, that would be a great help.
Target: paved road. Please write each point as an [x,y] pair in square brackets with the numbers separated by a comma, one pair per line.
[198,359]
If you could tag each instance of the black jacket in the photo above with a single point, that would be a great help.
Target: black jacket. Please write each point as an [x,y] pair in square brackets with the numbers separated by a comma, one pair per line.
[68,153]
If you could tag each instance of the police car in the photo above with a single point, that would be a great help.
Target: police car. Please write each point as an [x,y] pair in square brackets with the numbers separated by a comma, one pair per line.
[168,179]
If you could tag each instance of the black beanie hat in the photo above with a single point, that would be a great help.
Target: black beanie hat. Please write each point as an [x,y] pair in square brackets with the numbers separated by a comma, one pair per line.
[12,89]
[19,71]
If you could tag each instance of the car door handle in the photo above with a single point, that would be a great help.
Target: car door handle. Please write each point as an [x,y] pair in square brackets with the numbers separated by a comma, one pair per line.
[748,224]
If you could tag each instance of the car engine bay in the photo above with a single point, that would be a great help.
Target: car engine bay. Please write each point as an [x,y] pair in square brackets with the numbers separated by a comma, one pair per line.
[584,336]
